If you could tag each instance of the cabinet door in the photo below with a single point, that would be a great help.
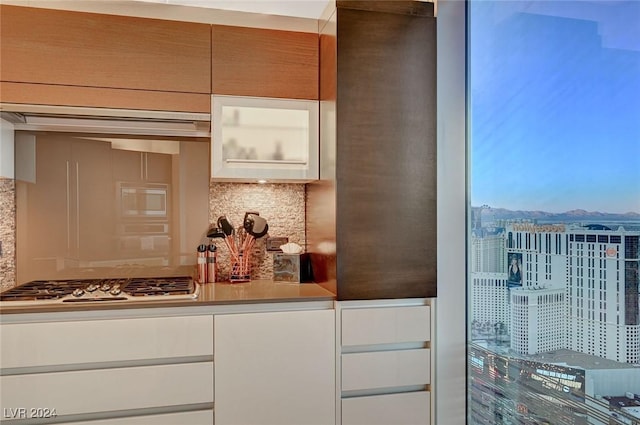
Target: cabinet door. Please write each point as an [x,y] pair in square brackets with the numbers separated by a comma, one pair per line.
[65,343]
[262,62]
[264,139]
[275,368]
[111,389]
[199,417]
[397,409]
[59,47]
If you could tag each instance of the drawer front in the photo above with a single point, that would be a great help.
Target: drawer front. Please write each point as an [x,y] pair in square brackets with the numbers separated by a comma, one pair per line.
[62,343]
[384,369]
[201,417]
[104,390]
[396,409]
[388,325]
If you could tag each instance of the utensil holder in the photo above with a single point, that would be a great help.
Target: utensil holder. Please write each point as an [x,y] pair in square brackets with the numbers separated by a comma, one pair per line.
[241,269]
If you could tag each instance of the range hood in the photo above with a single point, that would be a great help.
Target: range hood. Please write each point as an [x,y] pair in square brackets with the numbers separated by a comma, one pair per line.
[106,121]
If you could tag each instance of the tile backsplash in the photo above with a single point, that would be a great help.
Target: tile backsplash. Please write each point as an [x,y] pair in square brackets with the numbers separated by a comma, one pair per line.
[282,205]
[7,233]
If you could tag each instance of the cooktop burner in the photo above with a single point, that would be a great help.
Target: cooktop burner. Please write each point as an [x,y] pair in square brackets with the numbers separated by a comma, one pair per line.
[113,289]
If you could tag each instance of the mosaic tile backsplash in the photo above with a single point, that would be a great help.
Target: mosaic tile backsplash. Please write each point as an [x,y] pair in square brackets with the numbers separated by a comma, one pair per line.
[7,233]
[282,205]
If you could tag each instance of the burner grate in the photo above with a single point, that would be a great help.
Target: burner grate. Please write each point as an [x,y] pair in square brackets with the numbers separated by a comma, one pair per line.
[142,287]
[42,290]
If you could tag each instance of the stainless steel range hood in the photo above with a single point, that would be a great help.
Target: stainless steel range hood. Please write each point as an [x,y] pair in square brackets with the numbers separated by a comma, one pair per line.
[106,121]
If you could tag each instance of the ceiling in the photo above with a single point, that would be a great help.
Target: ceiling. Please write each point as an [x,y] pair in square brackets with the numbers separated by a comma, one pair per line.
[299,8]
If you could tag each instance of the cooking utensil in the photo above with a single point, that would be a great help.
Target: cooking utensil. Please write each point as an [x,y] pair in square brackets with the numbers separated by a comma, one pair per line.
[216,233]
[255,225]
[225,225]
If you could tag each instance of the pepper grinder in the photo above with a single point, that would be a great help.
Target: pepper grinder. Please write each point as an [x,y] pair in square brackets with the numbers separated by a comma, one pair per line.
[211,264]
[202,263]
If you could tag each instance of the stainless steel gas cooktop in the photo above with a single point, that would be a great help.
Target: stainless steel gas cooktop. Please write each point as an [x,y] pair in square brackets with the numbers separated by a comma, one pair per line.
[101,290]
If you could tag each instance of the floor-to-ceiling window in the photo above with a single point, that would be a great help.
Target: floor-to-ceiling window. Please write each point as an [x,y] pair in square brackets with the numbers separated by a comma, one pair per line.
[554,214]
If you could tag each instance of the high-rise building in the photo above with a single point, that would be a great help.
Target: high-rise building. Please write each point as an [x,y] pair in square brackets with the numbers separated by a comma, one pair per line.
[487,252]
[597,268]
[538,320]
[490,298]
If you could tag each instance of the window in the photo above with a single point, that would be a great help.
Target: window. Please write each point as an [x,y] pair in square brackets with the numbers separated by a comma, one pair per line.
[553,142]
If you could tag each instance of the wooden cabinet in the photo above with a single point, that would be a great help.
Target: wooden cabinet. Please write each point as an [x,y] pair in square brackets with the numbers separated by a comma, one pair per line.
[87,59]
[101,371]
[384,362]
[264,63]
[378,149]
[275,368]
[58,57]
[264,139]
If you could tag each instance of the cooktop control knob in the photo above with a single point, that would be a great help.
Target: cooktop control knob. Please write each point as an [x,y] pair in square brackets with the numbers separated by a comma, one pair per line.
[115,290]
[92,287]
[78,292]
[105,287]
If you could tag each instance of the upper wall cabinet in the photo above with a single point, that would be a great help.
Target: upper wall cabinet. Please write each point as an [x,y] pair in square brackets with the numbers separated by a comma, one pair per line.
[264,139]
[89,59]
[264,63]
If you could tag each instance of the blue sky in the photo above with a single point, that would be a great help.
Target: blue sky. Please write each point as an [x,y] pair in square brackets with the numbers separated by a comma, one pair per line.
[555,105]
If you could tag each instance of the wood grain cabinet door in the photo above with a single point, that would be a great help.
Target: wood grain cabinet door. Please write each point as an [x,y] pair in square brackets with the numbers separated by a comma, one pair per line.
[49,46]
[264,63]
[58,57]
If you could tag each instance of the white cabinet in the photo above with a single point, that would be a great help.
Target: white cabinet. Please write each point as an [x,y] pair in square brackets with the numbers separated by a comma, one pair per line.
[363,326]
[404,408]
[385,369]
[275,368]
[121,370]
[111,389]
[384,362]
[199,417]
[99,341]
[6,149]
[264,139]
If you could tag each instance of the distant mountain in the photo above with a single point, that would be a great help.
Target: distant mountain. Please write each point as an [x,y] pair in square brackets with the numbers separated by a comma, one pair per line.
[577,215]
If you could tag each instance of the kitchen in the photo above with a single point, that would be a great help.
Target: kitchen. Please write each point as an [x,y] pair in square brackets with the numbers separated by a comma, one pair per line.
[295,202]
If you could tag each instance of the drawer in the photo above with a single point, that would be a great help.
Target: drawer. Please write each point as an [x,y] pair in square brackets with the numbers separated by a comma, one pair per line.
[103,390]
[397,409]
[90,341]
[385,325]
[201,417]
[384,369]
